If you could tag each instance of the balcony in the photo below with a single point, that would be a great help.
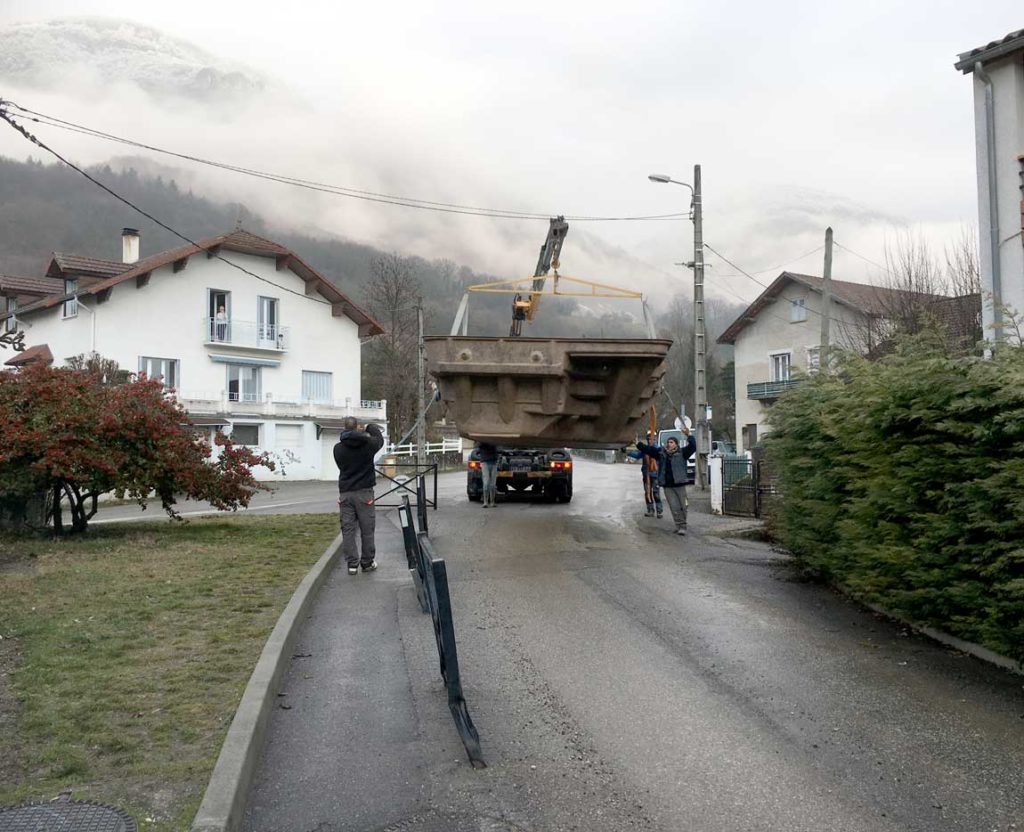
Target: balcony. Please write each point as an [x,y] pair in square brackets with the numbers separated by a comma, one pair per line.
[768,390]
[277,406]
[247,334]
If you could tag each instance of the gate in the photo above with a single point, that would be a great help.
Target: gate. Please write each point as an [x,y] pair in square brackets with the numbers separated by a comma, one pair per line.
[747,486]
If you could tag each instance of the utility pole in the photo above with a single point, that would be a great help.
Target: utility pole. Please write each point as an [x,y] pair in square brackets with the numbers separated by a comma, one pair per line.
[421,364]
[826,303]
[699,346]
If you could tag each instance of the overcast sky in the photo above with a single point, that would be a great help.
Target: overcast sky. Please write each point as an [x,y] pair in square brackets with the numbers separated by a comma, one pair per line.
[800,114]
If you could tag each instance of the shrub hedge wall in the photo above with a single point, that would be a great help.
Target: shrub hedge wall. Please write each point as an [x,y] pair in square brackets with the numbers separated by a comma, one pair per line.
[903,480]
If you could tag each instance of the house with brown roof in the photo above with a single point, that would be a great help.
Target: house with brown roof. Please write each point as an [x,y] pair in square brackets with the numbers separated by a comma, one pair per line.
[779,334]
[19,291]
[251,339]
[998,79]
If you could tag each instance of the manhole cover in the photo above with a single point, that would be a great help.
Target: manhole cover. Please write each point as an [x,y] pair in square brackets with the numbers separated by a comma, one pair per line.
[65,816]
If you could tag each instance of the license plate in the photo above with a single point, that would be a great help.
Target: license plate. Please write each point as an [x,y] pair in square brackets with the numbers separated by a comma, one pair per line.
[520,467]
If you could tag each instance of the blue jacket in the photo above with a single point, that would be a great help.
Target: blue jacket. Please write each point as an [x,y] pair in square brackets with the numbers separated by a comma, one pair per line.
[676,461]
[645,469]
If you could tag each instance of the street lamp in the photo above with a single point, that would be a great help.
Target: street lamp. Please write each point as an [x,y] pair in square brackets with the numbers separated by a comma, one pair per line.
[699,346]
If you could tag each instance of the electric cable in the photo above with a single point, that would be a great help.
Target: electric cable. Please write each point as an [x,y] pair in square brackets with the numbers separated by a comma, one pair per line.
[766,286]
[323,187]
[34,140]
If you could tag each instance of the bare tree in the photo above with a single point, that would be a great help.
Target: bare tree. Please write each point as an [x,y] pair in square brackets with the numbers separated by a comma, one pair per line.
[393,296]
[914,278]
[919,293]
[105,370]
[963,270]
[962,316]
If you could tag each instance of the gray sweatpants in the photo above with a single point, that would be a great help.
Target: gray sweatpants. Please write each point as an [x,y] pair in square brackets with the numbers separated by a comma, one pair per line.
[675,496]
[357,516]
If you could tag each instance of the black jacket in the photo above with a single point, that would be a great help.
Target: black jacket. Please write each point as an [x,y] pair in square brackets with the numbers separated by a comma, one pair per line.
[486,452]
[354,457]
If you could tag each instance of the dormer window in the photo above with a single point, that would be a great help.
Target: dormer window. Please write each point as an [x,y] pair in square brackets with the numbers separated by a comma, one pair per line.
[70,309]
[798,311]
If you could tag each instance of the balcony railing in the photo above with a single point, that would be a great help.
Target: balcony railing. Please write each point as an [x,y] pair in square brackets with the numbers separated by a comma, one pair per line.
[225,402]
[771,389]
[250,334]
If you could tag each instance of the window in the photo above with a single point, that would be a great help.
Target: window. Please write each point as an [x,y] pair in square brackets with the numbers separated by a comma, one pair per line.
[243,383]
[798,311]
[245,434]
[165,369]
[813,359]
[316,387]
[780,366]
[288,436]
[10,306]
[70,308]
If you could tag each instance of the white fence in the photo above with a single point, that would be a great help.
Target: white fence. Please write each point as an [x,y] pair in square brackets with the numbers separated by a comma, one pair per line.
[409,449]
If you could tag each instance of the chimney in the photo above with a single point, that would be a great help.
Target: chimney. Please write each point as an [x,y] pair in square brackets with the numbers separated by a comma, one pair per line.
[129,245]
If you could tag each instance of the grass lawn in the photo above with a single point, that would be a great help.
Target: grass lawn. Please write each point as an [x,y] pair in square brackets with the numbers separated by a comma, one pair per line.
[124,654]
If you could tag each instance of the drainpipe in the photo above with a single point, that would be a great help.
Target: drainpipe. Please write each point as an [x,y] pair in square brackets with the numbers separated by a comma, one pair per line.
[92,314]
[993,201]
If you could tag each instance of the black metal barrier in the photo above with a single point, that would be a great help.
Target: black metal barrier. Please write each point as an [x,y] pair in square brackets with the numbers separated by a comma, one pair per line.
[430,577]
[413,483]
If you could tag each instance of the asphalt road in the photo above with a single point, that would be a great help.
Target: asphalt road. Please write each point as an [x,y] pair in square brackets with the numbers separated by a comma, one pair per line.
[624,678]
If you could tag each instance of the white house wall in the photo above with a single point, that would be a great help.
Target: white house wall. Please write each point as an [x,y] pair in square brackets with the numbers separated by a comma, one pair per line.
[167,318]
[772,332]
[1008,98]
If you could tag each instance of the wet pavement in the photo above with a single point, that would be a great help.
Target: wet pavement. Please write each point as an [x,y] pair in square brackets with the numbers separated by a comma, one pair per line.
[622,677]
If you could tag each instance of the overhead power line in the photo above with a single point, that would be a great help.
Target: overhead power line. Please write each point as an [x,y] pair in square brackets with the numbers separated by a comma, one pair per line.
[765,285]
[7,117]
[325,187]
[862,257]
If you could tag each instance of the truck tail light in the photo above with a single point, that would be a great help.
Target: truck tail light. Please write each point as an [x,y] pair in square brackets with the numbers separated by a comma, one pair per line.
[474,465]
[561,466]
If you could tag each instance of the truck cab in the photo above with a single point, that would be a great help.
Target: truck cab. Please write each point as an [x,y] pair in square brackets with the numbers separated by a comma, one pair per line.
[541,472]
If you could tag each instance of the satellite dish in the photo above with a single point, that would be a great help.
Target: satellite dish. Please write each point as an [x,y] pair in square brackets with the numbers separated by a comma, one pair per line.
[684,422]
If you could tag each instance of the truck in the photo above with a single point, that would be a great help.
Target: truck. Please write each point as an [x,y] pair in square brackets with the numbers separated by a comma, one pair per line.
[541,472]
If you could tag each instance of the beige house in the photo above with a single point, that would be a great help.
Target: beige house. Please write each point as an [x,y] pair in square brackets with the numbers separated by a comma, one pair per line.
[779,334]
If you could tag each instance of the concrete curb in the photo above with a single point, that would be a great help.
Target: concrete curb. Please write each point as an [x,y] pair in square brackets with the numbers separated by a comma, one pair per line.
[968,647]
[224,801]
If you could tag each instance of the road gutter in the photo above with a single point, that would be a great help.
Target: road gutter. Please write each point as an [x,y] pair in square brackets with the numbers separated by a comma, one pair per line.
[224,801]
[968,647]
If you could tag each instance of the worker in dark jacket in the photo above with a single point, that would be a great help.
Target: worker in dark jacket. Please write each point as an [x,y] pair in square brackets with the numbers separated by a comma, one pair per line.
[672,474]
[356,479]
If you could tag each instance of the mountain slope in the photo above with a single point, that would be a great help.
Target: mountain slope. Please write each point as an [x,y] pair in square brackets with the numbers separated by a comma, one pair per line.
[45,55]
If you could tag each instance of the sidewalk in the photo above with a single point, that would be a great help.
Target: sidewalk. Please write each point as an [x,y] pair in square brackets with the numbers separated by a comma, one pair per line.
[338,747]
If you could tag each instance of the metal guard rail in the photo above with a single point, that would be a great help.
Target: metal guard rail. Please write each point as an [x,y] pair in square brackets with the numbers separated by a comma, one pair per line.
[430,576]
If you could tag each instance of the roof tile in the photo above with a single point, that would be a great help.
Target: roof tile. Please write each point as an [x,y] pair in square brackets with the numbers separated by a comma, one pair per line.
[30,285]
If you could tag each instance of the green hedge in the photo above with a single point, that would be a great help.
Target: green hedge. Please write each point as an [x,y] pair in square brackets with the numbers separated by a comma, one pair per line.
[903,480]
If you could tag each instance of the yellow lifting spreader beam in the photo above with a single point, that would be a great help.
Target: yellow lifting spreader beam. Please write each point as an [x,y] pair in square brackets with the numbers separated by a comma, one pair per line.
[597,290]
[525,308]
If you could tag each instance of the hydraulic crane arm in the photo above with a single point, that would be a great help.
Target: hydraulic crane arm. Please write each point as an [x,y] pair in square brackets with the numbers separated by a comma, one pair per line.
[523,309]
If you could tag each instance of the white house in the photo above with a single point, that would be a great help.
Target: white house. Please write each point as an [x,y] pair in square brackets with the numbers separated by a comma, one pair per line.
[781,332]
[998,70]
[254,341]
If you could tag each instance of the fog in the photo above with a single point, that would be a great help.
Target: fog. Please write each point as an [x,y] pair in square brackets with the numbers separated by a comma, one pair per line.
[800,115]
